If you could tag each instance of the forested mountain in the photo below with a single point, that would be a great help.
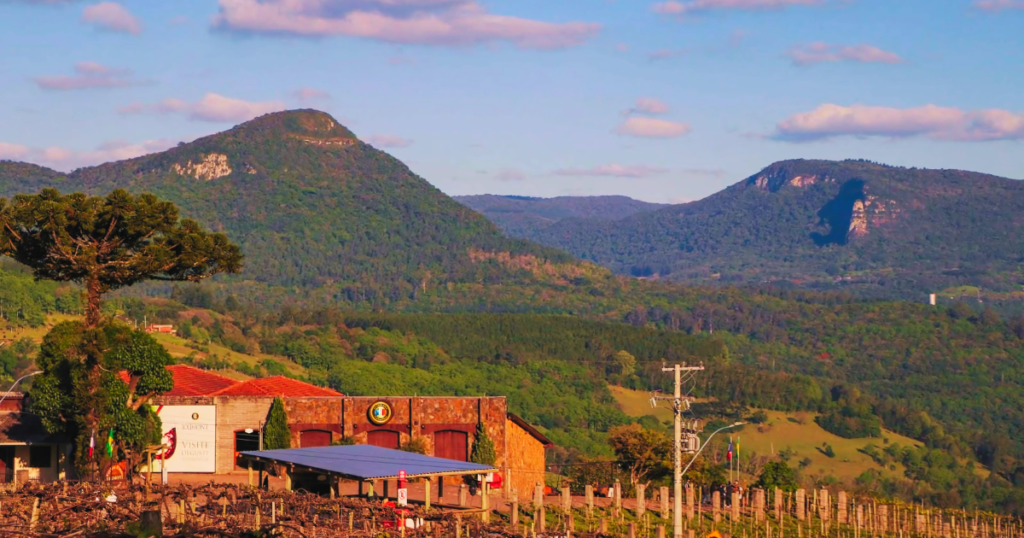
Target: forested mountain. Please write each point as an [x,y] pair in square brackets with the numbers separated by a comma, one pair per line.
[895,232]
[310,205]
[524,216]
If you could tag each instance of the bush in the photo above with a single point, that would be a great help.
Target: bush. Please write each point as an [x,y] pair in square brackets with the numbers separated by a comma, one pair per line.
[276,434]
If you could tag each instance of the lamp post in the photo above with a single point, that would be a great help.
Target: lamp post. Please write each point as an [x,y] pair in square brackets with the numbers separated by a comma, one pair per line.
[677,522]
[16,384]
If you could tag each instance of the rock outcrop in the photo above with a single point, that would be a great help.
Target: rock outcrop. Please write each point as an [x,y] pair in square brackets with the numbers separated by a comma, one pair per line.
[212,166]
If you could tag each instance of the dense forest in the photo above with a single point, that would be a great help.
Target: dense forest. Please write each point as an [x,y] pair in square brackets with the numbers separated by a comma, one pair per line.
[370,280]
[879,230]
[523,216]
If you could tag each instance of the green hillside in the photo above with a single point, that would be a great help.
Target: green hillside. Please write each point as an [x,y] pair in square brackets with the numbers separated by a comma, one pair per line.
[523,216]
[310,205]
[881,230]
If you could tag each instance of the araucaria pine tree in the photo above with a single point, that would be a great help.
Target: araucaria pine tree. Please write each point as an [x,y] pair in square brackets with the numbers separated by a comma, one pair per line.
[483,447]
[276,434]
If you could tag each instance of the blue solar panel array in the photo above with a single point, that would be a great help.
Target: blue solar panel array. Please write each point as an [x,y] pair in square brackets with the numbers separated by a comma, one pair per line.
[369,462]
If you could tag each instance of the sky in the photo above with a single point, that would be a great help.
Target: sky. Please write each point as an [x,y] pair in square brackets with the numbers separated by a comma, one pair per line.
[665,101]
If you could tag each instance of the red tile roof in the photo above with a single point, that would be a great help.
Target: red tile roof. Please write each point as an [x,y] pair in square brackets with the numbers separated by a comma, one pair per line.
[191,381]
[275,386]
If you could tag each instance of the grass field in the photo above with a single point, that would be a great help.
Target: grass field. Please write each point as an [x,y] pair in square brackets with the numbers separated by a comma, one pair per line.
[177,347]
[796,433]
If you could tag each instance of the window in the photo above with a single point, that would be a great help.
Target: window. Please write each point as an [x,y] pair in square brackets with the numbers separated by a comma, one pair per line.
[40,456]
[246,441]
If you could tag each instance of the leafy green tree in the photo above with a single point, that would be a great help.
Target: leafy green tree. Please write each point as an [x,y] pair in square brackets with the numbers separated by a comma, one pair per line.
[483,447]
[626,363]
[109,243]
[68,405]
[640,452]
[777,474]
[103,244]
[276,433]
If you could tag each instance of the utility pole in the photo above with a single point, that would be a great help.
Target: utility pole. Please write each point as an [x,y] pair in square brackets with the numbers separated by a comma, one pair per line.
[684,441]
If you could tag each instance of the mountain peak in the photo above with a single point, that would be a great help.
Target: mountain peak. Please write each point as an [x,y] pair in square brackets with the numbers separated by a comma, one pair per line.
[303,124]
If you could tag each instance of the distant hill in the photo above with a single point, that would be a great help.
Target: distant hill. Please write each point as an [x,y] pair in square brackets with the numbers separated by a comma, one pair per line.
[896,231]
[311,205]
[523,216]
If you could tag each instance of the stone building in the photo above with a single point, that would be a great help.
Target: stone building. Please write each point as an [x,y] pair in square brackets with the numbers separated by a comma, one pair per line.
[221,417]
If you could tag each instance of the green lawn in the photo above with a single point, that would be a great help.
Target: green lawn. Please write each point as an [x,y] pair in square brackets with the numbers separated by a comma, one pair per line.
[794,432]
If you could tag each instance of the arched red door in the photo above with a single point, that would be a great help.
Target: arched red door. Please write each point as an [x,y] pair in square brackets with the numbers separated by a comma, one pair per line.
[383,439]
[310,438]
[451,444]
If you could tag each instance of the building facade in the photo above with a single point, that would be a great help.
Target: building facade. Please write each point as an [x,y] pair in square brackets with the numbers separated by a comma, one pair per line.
[229,415]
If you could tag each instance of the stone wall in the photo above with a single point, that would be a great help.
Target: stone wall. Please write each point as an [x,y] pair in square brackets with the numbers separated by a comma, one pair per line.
[526,460]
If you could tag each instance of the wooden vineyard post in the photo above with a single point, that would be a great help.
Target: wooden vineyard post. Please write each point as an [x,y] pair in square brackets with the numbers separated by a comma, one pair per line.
[514,514]
[824,506]
[618,499]
[801,504]
[841,514]
[426,492]
[566,498]
[689,502]
[778,504]
[759,505]
[716,506]
[735,506]
[663,497]
[588,493]
[641,500]
[462,495]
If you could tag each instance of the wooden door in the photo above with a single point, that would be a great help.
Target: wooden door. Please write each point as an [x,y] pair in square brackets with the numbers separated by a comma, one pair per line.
[309,438]
[383,439]
[451,444]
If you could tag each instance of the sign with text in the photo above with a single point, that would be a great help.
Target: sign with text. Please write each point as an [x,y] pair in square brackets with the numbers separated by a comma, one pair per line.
[403,497]
[190,433]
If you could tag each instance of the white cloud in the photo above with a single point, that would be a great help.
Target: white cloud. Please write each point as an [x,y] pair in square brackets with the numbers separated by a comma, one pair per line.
[12,151]
[995,6]
[424,22]
[67,159]
[647,105]
[112,17]
[613,170]
[664,54]
[651,127]
[306,95]
[929,121]
[815,53]
[212,107]
[674,7]
[511,174]
[88,75]
[388,141]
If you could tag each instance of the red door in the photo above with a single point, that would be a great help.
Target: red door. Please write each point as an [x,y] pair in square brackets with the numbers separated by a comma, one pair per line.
[310,438]
[383,439]
[451,444]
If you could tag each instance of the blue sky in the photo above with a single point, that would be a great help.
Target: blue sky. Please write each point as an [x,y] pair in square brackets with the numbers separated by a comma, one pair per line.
[663,101]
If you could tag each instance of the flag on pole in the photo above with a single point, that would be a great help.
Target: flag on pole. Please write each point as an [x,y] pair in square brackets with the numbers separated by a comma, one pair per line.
[110,442]
[737,447]
[92,442]
[728,453]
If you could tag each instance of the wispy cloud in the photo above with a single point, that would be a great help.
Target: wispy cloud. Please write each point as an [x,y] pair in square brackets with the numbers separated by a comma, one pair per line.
[651,127]
[664,54]
[425,22]
[112,17]
[674,7]
[647,105]
[68,159]
[388,141]
[310,95]
[995,6]
[815,53]
[212,107]
[89,75]
[929,121]
[613,170]
[511,174]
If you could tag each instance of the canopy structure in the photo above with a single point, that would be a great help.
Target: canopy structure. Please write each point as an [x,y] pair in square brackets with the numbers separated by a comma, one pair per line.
[366,462]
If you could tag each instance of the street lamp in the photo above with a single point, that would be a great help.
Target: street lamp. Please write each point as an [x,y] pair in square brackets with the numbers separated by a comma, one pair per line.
[16,384]
[677,521]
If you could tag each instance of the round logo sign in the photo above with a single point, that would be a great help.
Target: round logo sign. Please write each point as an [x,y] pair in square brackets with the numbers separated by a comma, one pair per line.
[380,413]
